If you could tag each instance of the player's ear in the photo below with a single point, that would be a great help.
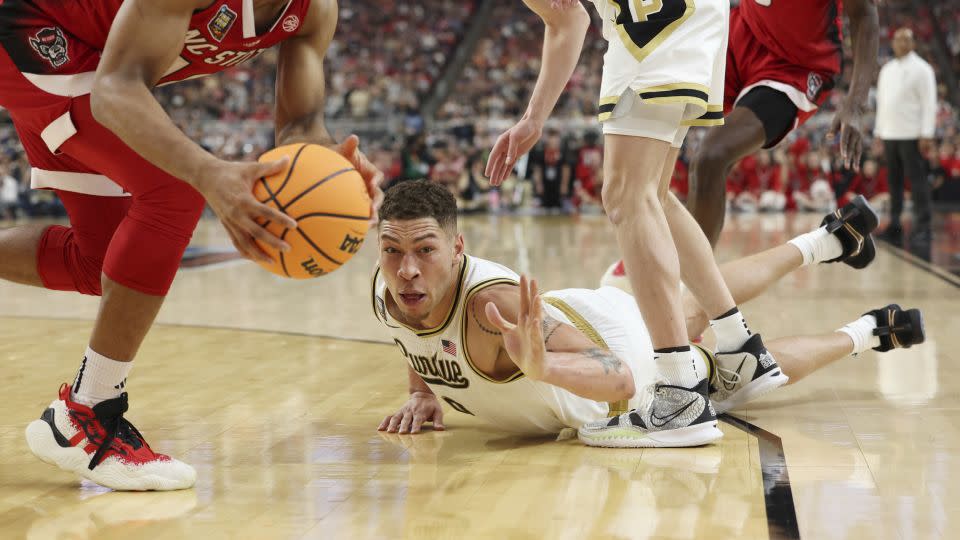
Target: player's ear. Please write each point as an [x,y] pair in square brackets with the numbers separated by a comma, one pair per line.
[458,246]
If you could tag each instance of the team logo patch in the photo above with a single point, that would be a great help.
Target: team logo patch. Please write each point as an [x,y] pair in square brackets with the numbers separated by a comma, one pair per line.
[291,23]
[221,23]
[814,84]
[51,44]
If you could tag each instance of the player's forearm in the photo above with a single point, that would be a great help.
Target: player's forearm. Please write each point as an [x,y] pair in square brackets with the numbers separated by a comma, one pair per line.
[864,28]
[130,111]
[416,382]
[307,129]
[562,43]
[594,374]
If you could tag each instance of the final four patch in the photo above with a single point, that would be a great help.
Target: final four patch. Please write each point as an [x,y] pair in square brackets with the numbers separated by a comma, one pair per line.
[220,24]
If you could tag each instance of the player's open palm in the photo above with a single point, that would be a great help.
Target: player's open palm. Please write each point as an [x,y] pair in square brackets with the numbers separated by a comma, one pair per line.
[512,144]
[228,189]
[524,341]
[422,407]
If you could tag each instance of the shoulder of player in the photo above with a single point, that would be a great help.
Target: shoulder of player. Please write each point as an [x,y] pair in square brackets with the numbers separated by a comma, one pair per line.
[505,296]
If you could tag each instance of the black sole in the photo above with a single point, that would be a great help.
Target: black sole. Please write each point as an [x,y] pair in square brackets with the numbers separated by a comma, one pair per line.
[866,212]
[919,334]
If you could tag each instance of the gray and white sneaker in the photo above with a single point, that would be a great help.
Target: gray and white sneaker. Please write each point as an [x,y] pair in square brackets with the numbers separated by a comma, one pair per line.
[668,416]
[744,375]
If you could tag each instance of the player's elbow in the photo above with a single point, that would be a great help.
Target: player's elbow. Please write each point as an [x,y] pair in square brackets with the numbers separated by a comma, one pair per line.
[574,19]
[627,387]
[102,99]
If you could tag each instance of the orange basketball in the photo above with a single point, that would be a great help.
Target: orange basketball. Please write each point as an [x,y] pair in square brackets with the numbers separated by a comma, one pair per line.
[326,195]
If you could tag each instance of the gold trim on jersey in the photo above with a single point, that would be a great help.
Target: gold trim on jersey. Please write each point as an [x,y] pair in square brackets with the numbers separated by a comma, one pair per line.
[640,53]
[713,117]
[682,93]
[463,329]
[427,332]
[616,408]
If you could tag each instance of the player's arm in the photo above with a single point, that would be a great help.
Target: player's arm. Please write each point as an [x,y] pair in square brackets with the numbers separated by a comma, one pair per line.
[301,94]
[565,30]
[422,407]
[865,32]
[547,350]
[145,40]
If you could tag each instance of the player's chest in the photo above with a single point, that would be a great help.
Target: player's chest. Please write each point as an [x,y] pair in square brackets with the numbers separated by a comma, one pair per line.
[229,32]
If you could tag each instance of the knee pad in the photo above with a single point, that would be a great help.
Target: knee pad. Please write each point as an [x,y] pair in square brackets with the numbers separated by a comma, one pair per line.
[63,266]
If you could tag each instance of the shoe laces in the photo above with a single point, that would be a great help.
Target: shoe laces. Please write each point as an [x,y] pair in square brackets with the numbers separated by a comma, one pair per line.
[728,376]
[110,415]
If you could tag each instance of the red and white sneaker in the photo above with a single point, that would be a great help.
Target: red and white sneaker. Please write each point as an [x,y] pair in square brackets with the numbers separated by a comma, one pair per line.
[101,445]
[616,276]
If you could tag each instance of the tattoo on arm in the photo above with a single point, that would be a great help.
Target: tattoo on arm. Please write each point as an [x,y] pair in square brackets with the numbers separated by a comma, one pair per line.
[606,358]
[550,326]
[491,331]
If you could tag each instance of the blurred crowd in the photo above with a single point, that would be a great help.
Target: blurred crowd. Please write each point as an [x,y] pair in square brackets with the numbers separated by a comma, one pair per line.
[388,55]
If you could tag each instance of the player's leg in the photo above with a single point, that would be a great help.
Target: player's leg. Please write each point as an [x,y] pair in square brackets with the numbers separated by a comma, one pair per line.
[883,329]
[845,236]
[18,254]
[139,265]
[740,135]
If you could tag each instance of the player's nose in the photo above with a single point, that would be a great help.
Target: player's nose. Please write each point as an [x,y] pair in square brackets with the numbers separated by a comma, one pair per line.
[408,267]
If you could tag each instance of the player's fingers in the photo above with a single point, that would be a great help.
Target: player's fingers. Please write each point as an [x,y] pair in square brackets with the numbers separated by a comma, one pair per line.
[383,425]
[267,238]
[438,420]
[348,148]
[495,156]
[418,420]
[269,213]
[834,126]
[270,168]
[493,314]
[405,423]
[394,422]
[512,145]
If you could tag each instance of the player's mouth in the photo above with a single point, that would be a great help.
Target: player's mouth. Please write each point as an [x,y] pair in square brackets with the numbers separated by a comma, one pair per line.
[412,299]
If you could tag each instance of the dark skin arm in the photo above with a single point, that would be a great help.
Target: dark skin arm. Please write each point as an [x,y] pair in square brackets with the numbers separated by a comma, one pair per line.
[848,123]
[301,94]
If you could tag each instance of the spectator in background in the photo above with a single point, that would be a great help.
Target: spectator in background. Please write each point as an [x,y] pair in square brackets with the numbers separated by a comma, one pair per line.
[871,182]
[906,119]
[810,188]
[9,189]
[550,169]
[771,186]
[588,174]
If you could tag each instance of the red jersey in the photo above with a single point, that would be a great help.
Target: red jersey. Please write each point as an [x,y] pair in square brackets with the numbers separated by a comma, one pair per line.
[56,37]
[807,33]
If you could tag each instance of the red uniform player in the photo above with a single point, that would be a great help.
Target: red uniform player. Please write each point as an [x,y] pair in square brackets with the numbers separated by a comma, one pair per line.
[76,78]
[782,60]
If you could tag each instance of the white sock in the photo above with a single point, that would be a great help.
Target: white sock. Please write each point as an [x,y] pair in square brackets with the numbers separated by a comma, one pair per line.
[679,366]
[99,379]
[818,246]
[731,331]
[861,332]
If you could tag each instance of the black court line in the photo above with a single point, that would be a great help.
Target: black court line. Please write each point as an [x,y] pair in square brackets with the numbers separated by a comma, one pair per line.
[926,266]
[777,492]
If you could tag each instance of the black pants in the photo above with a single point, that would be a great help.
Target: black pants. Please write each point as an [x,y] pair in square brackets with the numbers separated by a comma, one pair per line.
[903,156]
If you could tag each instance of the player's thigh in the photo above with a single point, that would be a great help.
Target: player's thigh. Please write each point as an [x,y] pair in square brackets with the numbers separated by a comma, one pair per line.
[97,147]
[94,219]
[636,147]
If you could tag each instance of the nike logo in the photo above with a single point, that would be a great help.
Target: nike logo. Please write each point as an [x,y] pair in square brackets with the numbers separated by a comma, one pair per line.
[664,420]
[732,386]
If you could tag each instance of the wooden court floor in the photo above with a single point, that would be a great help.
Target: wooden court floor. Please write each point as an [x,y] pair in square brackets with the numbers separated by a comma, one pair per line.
[273,390]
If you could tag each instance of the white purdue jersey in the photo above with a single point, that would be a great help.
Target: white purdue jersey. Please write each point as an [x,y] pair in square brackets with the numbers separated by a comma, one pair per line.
[608,316]
[668,52]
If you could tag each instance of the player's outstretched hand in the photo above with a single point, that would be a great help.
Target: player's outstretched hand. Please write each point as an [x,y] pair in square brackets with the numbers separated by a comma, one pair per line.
[422,407]
[228,189]
[350,149]
[848,124]
[524,341]
[512,144]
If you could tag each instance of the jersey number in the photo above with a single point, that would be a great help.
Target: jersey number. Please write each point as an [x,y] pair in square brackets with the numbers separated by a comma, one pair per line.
[640,10]
[456,406]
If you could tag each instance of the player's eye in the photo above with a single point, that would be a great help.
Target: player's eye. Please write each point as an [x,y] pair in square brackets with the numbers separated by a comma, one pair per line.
[426,250]
[390,250]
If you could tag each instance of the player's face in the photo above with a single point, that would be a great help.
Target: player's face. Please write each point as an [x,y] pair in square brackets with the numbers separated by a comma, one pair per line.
[420,263]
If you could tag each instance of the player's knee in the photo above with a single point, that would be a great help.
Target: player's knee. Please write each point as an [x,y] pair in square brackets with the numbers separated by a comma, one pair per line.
[625,197]
[65,265]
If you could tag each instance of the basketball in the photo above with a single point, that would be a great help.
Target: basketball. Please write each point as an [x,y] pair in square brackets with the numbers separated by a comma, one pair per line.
[326,195]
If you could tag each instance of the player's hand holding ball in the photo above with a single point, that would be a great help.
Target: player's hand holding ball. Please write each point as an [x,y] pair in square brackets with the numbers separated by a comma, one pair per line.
[227,187]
